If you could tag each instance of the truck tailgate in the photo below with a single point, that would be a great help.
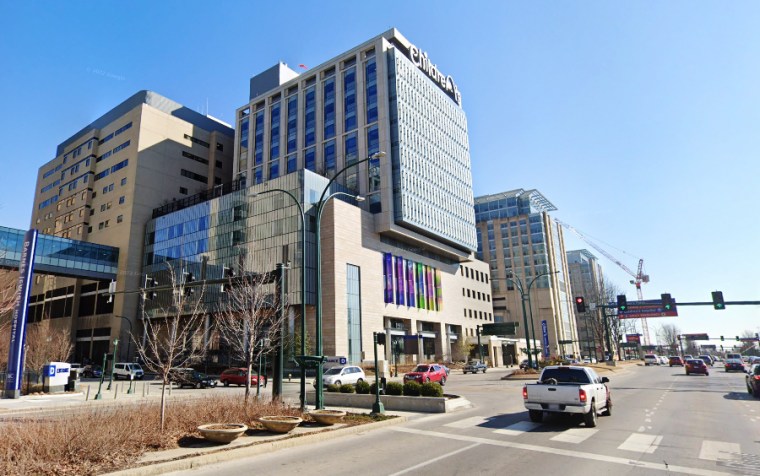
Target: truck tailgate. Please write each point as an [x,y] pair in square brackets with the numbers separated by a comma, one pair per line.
[561,393]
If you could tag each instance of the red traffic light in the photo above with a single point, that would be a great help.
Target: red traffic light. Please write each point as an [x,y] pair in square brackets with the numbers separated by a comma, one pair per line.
[580,304]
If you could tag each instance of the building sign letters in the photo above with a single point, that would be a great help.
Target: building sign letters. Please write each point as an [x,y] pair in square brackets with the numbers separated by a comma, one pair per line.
[421,60]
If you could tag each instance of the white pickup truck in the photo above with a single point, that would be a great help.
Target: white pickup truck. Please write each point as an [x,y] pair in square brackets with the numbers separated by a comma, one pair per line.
[568,389]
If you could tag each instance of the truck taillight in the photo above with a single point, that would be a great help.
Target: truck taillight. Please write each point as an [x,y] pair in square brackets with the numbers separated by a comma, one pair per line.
[525,393]
[756,377]
[582,395]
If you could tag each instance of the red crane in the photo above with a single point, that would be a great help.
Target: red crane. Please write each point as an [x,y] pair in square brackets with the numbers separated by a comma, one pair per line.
[638,277]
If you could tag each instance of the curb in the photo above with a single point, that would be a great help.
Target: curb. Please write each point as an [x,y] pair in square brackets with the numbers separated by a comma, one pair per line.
[223,455]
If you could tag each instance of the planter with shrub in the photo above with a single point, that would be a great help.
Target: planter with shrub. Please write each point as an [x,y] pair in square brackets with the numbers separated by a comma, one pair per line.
[412,389]
[347,388]
[363,387]
[431,389]
[394,388]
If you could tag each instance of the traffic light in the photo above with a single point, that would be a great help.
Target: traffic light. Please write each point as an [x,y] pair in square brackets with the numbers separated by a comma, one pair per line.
[188,278]
[148,293]
[667,302]
[381,338]
[722,338]
[580,304]
[717,297]
[228,273]
[622,303]
[737,338]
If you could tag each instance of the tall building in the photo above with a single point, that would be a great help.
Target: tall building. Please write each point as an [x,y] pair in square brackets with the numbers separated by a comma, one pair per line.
[401,261]
[525,251]
[586,280]
[102,187]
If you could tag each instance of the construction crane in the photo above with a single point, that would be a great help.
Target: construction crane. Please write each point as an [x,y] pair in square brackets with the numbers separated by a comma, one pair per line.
[638,277]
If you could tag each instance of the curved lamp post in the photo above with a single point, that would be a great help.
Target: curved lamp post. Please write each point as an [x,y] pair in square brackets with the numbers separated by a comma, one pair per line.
[519,284]
[303,283]
[323,199]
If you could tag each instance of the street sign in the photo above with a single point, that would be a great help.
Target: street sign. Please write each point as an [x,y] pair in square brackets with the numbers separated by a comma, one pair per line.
[696,337]
[500,329]
[545,335]
[648,308]
[633,338]
[562,342]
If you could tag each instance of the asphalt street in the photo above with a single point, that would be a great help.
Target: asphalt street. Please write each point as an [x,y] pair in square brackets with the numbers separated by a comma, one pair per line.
[663,422]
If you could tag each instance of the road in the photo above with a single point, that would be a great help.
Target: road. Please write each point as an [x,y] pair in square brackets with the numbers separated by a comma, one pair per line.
[663,422]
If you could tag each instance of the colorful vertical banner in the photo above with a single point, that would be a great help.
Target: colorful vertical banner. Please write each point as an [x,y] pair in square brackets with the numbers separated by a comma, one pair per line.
[399,280]
[409,283]
[438,291]
[388,276]
[420,286]
[19,320]
[429,290]
[545,336]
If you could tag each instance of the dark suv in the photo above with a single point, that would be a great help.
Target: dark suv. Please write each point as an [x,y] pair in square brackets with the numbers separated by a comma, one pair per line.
[186,377]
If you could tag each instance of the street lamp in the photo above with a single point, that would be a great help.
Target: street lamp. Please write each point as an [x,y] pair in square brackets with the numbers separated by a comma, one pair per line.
[113,363]
[323,199]
[519,284]
[303,284]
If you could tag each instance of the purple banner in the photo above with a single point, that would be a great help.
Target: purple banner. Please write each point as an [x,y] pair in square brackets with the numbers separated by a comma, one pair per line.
[388,276]
[399,280]
[18,324]
[409,283]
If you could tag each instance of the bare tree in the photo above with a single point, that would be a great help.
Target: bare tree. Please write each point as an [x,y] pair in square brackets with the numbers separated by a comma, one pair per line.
[667,335]
[45,344]
[171,336]
[250,322]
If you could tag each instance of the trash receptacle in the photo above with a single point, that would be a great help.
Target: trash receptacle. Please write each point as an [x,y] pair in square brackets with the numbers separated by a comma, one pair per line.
[383,383]
[74,380]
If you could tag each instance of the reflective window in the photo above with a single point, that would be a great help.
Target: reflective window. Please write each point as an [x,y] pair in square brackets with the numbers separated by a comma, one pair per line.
[292,163]
[330,158]
[370,74]
[258,132]
[352,155]
[310,159]
[292,124]
[328,91]
[274,127]
[349,99]
[310,116]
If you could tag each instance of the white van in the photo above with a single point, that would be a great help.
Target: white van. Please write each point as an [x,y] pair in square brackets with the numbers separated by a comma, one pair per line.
[127,371]
[651,359]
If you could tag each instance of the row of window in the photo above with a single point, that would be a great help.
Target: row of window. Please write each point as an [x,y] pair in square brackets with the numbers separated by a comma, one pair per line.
[476,295]
[473,274]
[475,314]
[113,169]
[115,133]
[203,143]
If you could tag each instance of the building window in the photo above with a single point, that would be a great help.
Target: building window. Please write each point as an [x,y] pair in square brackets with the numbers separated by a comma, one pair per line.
[292,163]
[219,147]
[197,141]
[258,137]
[274,134]
[351,155]
[328,93]
[121,200]
[310,116]
[354,313]
[330,158]
[292,124]
[349,99]
[310,159]
[119,218]
[183,190]
[370,75]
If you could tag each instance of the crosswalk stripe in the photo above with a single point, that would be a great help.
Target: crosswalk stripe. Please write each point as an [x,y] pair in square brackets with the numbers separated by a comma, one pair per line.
[641,443]
[719,450]
[467,422]
[574,435]
[518,428]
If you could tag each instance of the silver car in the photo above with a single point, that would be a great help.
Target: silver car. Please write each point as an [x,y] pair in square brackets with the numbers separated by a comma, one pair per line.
[342,375]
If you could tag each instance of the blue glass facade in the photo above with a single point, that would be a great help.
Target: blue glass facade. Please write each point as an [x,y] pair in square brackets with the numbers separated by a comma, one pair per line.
[61,256]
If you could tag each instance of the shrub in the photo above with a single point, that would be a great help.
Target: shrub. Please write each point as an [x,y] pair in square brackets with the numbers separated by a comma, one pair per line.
[394,388]
[373,387]
[412,389]
[332,388]
[431,389]
[362,387]
[347,388]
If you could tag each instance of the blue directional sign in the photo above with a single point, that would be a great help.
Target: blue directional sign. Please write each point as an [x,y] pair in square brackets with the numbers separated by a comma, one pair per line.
[545,332]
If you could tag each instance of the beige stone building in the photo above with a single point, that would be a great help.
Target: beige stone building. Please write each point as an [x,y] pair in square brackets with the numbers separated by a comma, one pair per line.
[102,187]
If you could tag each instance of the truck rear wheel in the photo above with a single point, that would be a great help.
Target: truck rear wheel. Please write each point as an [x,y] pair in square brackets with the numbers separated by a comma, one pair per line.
[590,418]
[608,408]
[536,416]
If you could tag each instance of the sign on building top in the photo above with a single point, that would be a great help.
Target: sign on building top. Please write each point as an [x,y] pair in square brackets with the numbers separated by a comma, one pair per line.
[421,60]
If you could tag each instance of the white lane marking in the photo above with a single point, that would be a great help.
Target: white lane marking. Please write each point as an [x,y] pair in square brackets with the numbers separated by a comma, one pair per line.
[719,450]
[574,453]
[641,443]
[418,466]
[648,420]
[518,428]
[467,422]
[642,429]
[574,435]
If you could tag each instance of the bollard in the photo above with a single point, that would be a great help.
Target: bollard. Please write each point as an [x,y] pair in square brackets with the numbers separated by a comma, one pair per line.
[143,392]
[289,377]
[87,397]
[116,391]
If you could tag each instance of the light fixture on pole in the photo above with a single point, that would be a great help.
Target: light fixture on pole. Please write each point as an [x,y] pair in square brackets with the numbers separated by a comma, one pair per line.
[323,199]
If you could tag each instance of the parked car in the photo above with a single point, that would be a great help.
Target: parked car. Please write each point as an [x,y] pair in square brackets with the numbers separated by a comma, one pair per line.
[475,366]
[753,380]
[127,371]
[734,364]
[662,360]
[236,376]
[185,377]
[524,364]
[696,366]
[427,373]
[707,359]
[651,359]
[341,375]
[92,371]
[675,360]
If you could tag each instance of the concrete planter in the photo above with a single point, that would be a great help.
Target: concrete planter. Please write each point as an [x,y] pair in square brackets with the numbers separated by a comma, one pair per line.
[280,424]
[327,417]
[222,432]
[444,404]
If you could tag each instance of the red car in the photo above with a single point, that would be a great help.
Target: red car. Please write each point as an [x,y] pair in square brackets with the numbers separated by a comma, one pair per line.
[427,373]
[696,366]
[236,376]
[675,360]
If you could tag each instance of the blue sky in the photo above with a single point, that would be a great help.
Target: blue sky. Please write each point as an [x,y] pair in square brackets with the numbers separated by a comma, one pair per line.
[637,120]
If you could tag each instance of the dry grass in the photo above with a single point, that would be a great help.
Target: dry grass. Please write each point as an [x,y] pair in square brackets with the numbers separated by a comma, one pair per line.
[103,439]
